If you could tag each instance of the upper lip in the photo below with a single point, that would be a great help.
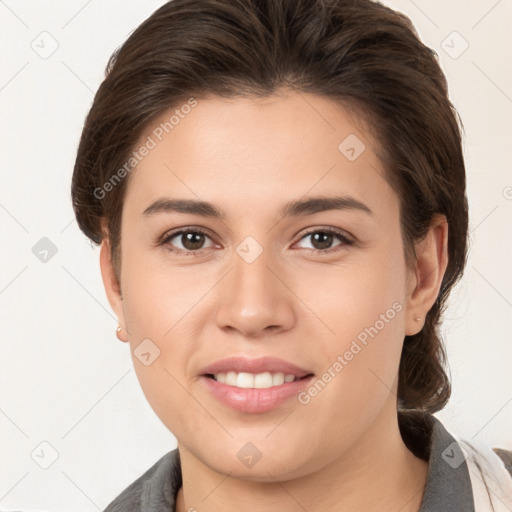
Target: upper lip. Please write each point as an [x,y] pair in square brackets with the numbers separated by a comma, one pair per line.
[260,365]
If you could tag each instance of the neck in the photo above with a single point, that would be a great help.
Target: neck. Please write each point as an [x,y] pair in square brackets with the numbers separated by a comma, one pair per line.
[378,473]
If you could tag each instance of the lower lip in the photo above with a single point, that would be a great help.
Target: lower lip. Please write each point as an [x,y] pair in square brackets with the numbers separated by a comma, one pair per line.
[255,400]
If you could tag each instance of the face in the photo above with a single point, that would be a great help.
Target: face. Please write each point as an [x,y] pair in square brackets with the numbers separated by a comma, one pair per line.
[315,290]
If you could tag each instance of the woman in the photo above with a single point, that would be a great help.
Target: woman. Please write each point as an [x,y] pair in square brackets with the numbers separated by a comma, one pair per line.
[278,188]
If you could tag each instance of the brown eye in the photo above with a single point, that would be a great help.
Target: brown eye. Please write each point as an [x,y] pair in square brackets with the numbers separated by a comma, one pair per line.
[186,241]
[192,241]
[322,239]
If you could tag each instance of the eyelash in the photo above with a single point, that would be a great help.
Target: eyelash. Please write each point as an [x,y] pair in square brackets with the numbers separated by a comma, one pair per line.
[346,241]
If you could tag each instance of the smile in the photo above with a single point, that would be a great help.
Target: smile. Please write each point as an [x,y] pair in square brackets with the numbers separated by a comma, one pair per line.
[257,381]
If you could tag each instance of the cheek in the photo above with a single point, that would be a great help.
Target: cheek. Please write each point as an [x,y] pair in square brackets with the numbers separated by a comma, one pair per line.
[353,298]
[365,310]
[159,297]
[359,375]
[159,309]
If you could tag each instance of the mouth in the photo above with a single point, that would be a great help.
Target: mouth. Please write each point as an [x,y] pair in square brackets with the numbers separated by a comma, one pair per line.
[260,373]
[255,381]
[254,385]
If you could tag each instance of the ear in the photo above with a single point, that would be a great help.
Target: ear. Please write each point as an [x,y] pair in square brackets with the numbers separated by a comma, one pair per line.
[430,267]
[112,286]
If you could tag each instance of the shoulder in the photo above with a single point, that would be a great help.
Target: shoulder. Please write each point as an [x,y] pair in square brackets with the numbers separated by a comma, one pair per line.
[490,471]
[506,457]
[154,490]
[462,475]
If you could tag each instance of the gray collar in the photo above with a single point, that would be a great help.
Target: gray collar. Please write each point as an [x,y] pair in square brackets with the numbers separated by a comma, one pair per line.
[448,487]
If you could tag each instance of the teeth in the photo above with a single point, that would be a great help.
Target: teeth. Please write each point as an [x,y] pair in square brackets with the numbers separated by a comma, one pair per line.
[250,380]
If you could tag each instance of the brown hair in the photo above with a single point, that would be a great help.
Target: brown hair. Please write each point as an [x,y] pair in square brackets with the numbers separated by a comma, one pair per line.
[357,52]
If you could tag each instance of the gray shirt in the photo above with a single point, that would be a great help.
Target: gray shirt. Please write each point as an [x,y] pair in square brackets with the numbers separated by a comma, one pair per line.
[448,486]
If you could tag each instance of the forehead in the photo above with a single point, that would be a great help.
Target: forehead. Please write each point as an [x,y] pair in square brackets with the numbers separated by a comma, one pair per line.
[254,152]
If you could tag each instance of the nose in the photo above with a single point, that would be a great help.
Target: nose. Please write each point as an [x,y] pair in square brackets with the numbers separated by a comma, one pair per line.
[254,299]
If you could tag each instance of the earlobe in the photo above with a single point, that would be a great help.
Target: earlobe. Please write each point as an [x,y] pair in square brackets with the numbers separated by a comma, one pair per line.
[120,334]
[111,284]
[431,263]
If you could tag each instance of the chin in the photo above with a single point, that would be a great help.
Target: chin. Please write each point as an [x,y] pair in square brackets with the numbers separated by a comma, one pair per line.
[259,461]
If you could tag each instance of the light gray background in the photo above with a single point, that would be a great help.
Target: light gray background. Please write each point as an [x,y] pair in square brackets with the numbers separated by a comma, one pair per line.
[65,379]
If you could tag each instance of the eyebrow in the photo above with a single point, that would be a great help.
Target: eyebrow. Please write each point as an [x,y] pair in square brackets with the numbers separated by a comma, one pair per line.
[291,209]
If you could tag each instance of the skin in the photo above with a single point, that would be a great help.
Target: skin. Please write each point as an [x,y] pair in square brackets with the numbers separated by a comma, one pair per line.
[250,157]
